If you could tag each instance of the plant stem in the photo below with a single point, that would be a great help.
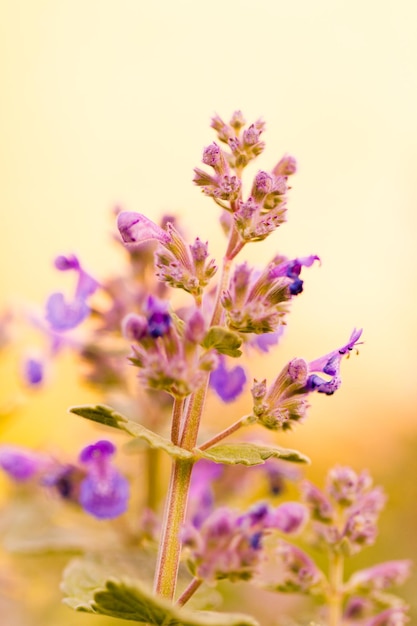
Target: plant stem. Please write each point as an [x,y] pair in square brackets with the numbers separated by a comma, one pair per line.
[243,421]
[336,591]
[189,591]
[176,502]
[177,410]
[170,544]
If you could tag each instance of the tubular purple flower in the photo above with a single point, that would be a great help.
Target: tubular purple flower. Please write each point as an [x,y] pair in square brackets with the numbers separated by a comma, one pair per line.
[33,371]
[136,228]
[87,285]
[292,269]
[21,464]
[330,364]
[381,576]
[289,517]
[104,493]
[394,616]
[63,315]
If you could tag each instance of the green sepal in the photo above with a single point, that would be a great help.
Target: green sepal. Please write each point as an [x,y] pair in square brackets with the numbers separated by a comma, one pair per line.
[87,591]
[225,341]
[108,416]
[249,454]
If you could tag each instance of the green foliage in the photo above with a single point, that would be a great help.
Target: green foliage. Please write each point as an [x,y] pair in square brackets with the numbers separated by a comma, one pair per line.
[108,416]
[225,341]
[89,589]
[250,454]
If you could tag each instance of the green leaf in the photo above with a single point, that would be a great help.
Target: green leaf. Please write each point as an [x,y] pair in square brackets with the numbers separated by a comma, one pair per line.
[249,454]
[108,416]
[89,591]
[225,341]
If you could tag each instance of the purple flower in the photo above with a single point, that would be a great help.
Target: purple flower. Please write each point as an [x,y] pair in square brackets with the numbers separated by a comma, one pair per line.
[300,573]
[289,517]
[86,284]
[228,383]
[63,315]
[201,496]
[33,371]
[381,576]
[159,320]
[104,493]
[292,269]
[20,464]
[394,616]
[136,228]
[330,364]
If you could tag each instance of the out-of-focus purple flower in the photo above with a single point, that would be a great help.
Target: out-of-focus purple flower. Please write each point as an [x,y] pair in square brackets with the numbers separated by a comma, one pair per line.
[21,464]
[381,576]
[86,285]
[201,496]
[33,371]
[65,480]
[289,517]
[277,473]
[227,383]
[104,493]
[63,315]
[321,508]
[300,574]
[394,616]
[136,229]
[267,340]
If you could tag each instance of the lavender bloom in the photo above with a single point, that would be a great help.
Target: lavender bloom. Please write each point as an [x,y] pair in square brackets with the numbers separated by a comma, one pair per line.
[289,517]
[320,506]
[201,496]
[292,269]
[300,574]
[63,315]
[20,464]
[394,616]
[33,371]
[104,493]
[136,228]
[381,576]
[330,364]
[227,383]
[86,285]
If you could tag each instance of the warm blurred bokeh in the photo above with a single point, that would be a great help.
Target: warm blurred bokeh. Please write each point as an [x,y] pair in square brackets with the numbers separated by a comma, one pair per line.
[108,103]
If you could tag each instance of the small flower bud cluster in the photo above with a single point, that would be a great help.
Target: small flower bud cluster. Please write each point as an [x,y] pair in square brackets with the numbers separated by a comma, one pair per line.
[227,544]
[258,304]
[264,210]
[346,512]
[179,265]
[285,402]
[166,349]
[343,520]
[94,484]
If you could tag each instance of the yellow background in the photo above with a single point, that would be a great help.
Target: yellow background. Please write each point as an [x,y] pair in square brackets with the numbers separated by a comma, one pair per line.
[108,103]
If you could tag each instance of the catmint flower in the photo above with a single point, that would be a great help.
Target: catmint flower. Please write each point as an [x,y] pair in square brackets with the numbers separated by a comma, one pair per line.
[86,285]
[136,228]
[104,493]
[330,364]
[201,497]
[380,577]
[257,302]
[227,383]
[287,166]
[33,371]
[289,517]
[320,506]
[63,315]
[20,464]
[299,573]
[394,616]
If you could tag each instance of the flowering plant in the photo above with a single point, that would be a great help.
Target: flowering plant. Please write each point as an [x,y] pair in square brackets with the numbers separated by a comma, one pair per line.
[178,354]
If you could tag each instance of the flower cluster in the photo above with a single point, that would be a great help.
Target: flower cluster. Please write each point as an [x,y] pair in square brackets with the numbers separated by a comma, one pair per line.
[343,520]
[94,483]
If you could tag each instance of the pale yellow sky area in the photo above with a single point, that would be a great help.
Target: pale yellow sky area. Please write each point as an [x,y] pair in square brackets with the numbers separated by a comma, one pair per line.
[106,102]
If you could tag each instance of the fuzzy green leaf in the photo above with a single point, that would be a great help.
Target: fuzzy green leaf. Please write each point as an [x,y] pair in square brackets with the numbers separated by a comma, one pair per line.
[109,417]
[88,591]
[249,454]
[225,341]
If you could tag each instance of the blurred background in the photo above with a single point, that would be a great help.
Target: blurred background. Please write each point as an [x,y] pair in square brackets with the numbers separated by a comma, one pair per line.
[109,103]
